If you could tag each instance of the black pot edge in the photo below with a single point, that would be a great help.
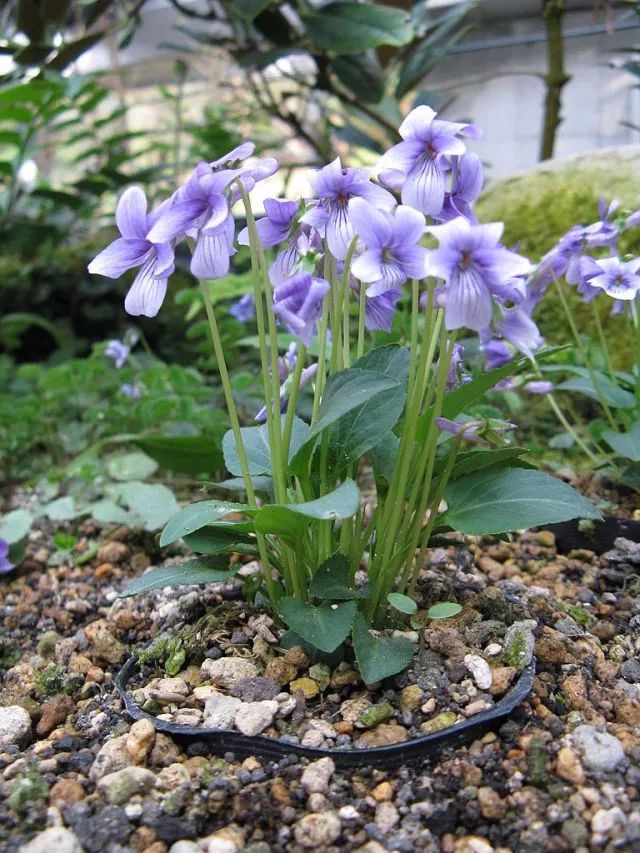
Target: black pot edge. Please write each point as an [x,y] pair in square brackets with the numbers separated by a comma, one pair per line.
[395,755]
[569,536]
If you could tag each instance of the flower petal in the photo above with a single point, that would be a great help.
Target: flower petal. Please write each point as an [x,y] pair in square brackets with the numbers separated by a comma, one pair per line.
[131,214]
[468,302]
[175,221]
[146,294]
[119,256]
[425,186]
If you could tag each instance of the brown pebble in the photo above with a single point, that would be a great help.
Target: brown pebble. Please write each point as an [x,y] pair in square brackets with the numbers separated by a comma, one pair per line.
[54,713]
[66,792]
[298,657]
[383,792]
[568,767]
[343,727]
[282,671]
[113,552]
[491,803]
[503,677]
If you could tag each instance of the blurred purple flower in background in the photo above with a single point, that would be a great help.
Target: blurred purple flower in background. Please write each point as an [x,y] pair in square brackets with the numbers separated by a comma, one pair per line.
[333,188]
[538,387]
[5,563]
[476,269]
[617,278]
[118,351]
[135,249]
[393,253]
[243,309]
[298,303]
[134,392]
[496,351]
[273,228]
[418,166]
[468,179]
[286,366]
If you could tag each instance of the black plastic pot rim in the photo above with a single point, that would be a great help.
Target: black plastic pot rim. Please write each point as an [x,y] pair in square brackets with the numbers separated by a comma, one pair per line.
[427,746]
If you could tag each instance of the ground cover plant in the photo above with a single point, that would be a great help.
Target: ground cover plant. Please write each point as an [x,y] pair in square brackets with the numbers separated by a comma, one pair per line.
[345,257]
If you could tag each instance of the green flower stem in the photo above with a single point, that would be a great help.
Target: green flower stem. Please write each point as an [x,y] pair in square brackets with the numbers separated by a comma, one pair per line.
[583,352]
[572,432]
[362,302]
[415,316]
[293,400]
[603,341]
[345,299]
[336,326]
[272,391]
[322,366]
[235,426]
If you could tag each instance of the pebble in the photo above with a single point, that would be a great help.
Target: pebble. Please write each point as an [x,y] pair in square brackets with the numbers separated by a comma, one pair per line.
[280,670]
[382,792]
[317,830]
[606,820]
[251,718]
[519,644]
[185,847]
[306,686]
[139,741]
[568,766]
[15,726]
[598,750]
[56,839]
[411,697]
[113,755]
[54,713]
[220,710]
[386,816]
[256,689]
[441,721]
[502,679]
[120,786]
[104,644]
[630,670]
[491,803]
[316,777]
[375,714]
[227,672]
[480,670]
[383,735]
[65,792]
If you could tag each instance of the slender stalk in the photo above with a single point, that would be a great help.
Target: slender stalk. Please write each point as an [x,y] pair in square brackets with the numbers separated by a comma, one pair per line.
[322,366]
[362,303]
[235,426]
[572,432]
[293,399]
[603,341]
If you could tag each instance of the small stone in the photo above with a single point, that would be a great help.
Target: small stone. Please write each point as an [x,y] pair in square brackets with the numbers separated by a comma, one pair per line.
[375,714]
[307,686]
[386,816]
[383,735]
[476,707]
[256,689]
[576,833]
[518,645]
[491,803]
[165,751]
[493,649]
[281,671]
[140,740]
[382,792]
[443,720]
[317,830]
[298,657]
[411,697]
[630,670]
[15,726]
[54,713]
[66,792]
[316,777]
[175,685]
[228,671]
[112,552]
[343,676]
[120,786]
[56,838]
[352,708]
[252,718]
[502,679]
[222,845]
[220,710]
[472,844]
[447,642]
[313,738]
[185,847]
[321,674]
[113,755]
[568,766]
[286,704]
[104,644]
[546,538]
[605,821]
[599,750]
[480,670]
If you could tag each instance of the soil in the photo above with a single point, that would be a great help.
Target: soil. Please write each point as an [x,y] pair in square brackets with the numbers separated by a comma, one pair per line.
[76,774]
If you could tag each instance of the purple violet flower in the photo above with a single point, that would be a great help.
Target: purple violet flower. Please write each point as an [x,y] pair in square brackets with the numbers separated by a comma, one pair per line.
[135,248]
[118,351]
[538,387]
[468,179]
[298,303]
[418,166]
[380,310]
[333,188]
[497,353]
[5,563]
[134,392]
[519,329]
[393,253]
[476,269]
[617,278]
[273,228]
[454,376]
[243,309]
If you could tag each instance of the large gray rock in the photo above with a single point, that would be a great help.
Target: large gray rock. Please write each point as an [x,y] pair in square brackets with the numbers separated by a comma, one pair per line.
[15,725]
[598,750]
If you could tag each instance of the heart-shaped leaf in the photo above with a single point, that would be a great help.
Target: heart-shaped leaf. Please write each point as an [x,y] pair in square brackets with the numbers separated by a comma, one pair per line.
[331,581]
[195,516]
[256,446]
[221,538]
[293,519]
[444,610]
[190,572]
[402,603]
[379,657]
[325,627]
[627,444]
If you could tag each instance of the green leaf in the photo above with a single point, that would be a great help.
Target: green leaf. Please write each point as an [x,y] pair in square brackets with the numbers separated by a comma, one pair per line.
[325,627]
[364,427]
[15,525]
[345,391]
[613,396]
[444,610]
[361,75]
[293,519]
[180,574]
[627,444]
[108,512]
[195,516]
[221,538]
[153,504]
[131,466]
[512,499]
[356,27]
[384,455]
[61,509]
[256,446]
[260,484]
[184,454]
[331,581]
[379,657]
[479,460]
[402,603]
[250,9]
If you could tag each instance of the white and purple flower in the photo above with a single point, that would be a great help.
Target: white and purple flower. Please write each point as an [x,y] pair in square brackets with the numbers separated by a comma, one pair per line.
[618,279]
[5,563]
[298,303]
